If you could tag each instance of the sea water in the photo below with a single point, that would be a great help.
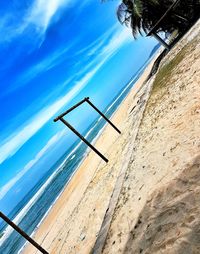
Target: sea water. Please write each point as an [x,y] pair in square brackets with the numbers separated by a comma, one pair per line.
[32,210]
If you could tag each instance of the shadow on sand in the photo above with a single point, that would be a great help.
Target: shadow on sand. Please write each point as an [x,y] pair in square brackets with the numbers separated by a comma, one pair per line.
[170,220]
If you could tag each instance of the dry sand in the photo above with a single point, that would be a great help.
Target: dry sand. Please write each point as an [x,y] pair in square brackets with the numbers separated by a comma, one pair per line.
[158,207]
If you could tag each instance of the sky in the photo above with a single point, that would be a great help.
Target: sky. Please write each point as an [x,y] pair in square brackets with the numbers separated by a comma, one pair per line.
[53,54]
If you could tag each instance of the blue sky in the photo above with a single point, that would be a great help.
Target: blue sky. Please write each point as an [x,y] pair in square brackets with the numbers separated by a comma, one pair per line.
[54,53]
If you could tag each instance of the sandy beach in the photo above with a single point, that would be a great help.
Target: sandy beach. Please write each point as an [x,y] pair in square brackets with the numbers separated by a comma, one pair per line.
[93,176]
[149,167]
[158,208]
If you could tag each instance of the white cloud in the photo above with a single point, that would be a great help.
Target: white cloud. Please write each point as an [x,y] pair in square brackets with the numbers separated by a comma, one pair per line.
[120,38]
[43,11]
[38,16]
[30,164]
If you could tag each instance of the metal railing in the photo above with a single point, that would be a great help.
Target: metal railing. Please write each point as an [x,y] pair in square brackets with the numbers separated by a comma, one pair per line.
[87,99]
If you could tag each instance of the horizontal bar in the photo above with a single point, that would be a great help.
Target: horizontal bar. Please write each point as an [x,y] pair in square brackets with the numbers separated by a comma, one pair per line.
[69,110]
[83,139]
[92,105]
[21,232]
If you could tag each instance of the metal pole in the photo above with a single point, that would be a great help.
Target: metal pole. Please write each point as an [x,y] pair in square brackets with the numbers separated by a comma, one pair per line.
[21,232]
[161,40]
[92,105]
[69,110]
[83,139]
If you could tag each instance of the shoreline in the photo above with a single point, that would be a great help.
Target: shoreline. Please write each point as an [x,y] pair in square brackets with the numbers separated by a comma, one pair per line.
[39,234]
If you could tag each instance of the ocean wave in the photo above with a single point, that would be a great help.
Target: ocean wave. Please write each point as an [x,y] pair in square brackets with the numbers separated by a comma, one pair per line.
[34,199]
[73,157]
[73,151]
[130,83]
[99,119]
[8,230]
[22,213]
[88,133]
[45,215]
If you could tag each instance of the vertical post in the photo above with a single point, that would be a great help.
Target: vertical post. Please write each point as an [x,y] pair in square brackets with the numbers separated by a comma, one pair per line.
[161,40]
[83,139]
[21,232]
[92,105]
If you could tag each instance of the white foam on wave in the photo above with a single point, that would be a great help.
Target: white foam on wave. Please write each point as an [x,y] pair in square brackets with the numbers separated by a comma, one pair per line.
[26,208]
[129,84]
[21,214]
[73,157]
[8,230]
[90,130]
[34,199]
[99,119]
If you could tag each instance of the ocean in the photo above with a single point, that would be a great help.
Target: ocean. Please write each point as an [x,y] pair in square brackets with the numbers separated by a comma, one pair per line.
[32,210]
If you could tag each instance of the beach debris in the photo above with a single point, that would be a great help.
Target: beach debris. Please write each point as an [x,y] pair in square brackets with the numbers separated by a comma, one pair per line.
[82,236]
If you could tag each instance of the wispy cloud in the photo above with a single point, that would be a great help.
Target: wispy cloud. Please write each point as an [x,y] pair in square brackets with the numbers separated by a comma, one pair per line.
[98,43]
[43,11]
[59,56]
[18,139]
[30,164]
[118,40]
[51,61]
[15,141]
[102,47]
[38,17]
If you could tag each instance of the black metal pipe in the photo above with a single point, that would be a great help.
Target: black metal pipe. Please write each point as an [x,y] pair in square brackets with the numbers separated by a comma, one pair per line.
[21,232]
[69,110]
[83,139]
[92,105]
[155,27]
[157,37]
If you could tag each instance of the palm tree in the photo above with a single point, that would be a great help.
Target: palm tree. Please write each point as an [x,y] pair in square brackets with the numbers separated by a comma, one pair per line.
[142,15]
